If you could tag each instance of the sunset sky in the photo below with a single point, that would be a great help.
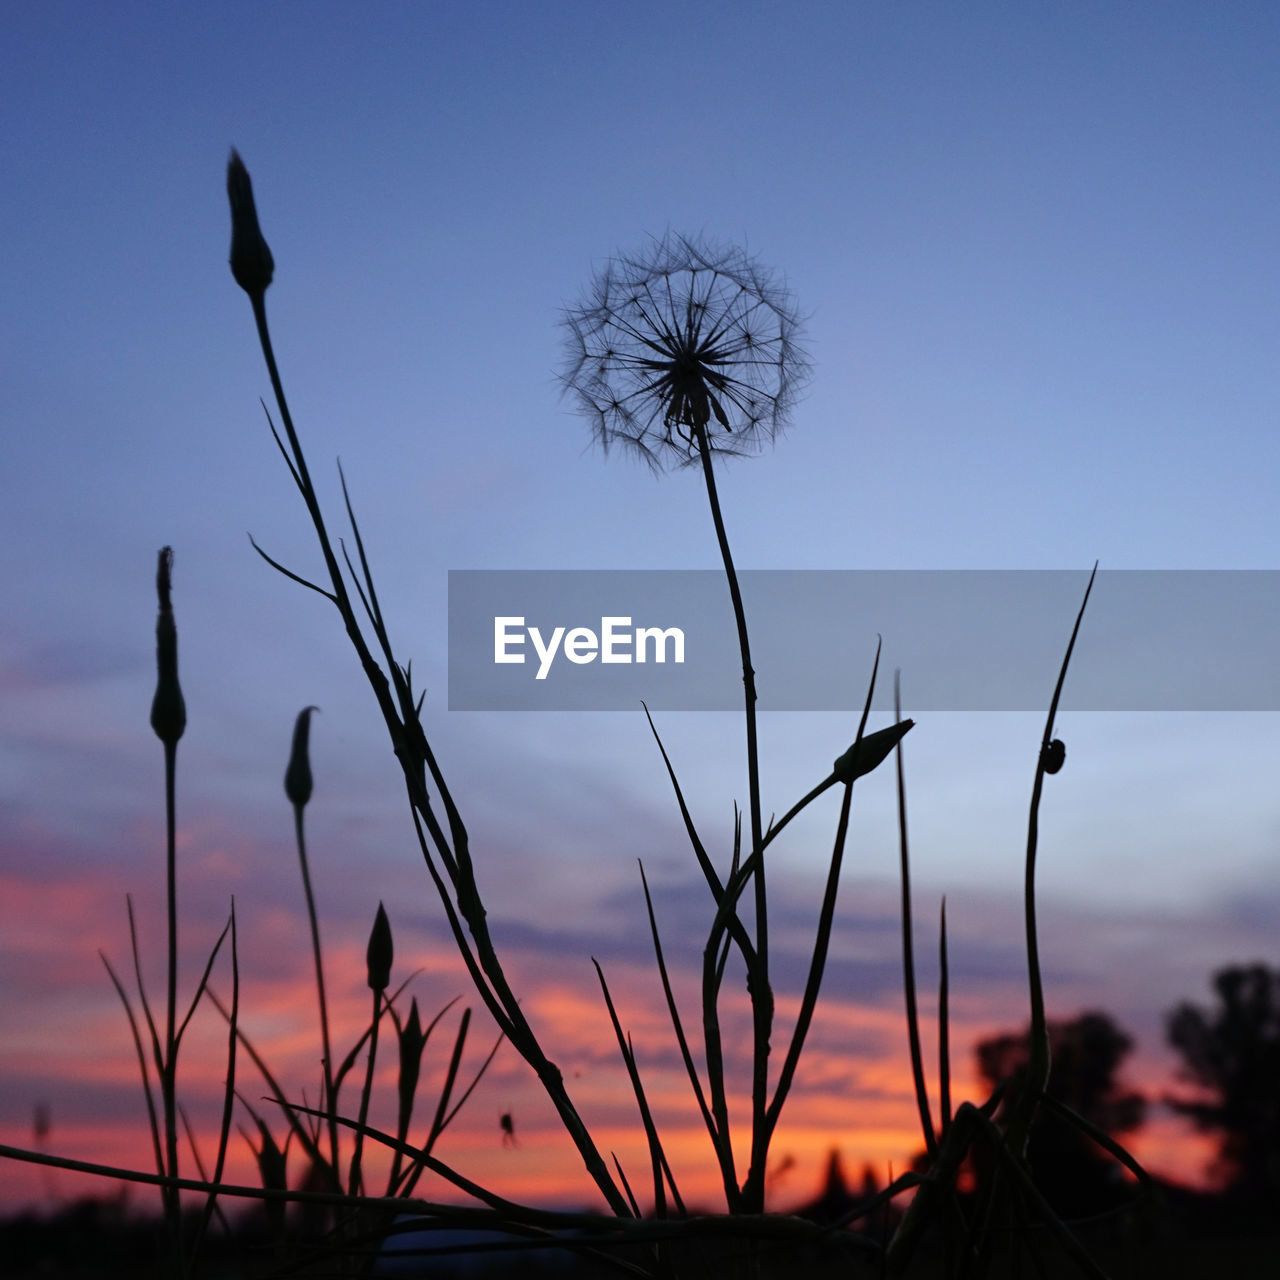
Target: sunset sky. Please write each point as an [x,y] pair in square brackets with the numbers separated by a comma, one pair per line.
[1036,248]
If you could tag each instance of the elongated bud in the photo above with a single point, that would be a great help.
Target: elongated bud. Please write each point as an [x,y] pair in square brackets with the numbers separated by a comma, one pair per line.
[297,777]
[412,1043]
[251,260]
[378,957]
[168,710]
[870,751]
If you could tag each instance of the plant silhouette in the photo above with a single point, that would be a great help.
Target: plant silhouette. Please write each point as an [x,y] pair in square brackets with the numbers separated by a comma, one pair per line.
[1075,1176]
[1232,1053]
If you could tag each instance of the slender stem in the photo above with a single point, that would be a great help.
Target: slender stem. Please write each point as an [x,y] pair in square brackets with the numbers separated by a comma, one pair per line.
[330,1098]
[411,750]
[757,974]
[1038,1064]
[748,682]
[353,1181]
[169,1074]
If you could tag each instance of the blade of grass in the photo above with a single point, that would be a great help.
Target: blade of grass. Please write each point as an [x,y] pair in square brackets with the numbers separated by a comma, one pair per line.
[432,1165]
[142,1062]
[908,941]
[1104,1140]
[626,1186]
[204,981]
[657,1156]
[817,964]
[822,938]
[350,1060]
[291,1113]
[211,1200]
[451,1076]
[944,1025]
[289,573]
[284,453]
[157,1050]
[1015,1168]
[228,1099]
[681,1039]
[415,1172]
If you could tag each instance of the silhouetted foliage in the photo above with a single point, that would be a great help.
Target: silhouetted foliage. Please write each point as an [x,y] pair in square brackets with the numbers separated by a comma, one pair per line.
[1076,1176]
[838,1199]
[1232,1052]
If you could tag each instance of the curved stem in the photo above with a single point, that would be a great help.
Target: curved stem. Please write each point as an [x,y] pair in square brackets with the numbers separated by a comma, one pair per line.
[1039,1059]
[757,974]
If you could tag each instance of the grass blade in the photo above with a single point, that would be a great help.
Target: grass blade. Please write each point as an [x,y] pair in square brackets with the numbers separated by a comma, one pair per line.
[908,942]
[944,1026]
[681,1039]
[142,1063]
[657,1156]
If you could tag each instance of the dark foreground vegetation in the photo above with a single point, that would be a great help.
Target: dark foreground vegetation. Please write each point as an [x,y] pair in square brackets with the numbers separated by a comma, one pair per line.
[1166,1230]
[1187,1234]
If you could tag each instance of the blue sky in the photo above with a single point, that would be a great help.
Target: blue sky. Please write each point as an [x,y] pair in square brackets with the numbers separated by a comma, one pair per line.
[1036,247]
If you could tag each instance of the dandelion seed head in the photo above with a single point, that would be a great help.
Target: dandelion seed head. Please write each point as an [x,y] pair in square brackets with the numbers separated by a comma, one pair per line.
[681,346]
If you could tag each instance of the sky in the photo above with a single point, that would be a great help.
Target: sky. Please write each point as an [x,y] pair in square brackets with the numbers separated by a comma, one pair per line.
[1034,247]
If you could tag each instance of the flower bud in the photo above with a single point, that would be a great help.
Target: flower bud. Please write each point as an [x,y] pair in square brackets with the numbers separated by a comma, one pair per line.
[380,952]
[251,260]
[297,777]
[867,753]
[412,1042]
[168,710]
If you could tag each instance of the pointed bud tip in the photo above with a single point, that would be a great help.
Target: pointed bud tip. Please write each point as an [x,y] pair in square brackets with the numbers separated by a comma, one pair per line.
[379,956]
[870,751]
[251,262]
[297,777]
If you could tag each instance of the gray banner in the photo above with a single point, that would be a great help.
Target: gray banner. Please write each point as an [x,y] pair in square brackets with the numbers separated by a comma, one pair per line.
[965,640]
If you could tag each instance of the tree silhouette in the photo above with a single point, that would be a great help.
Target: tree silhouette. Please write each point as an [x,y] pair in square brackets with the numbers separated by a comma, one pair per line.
[1232,1053]
[1074,1174]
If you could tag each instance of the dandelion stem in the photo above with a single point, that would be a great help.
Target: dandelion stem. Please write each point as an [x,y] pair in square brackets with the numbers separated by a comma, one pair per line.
[758,974]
